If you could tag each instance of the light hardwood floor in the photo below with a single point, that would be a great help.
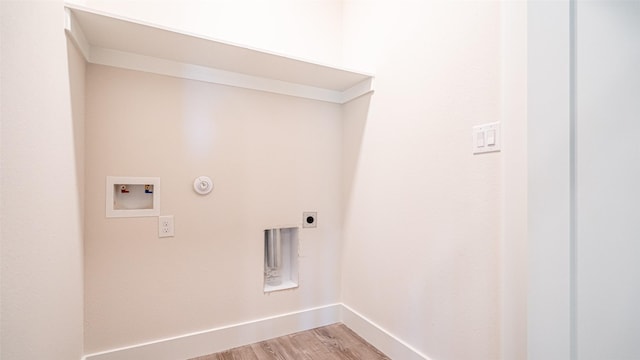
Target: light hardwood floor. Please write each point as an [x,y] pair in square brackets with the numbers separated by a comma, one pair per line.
[333,342]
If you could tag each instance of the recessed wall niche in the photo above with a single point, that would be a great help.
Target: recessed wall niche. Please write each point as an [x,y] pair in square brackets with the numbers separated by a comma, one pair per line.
[132,196]
[280,259]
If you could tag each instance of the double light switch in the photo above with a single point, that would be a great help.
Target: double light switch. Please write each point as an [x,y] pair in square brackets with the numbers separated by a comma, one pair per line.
[486,138]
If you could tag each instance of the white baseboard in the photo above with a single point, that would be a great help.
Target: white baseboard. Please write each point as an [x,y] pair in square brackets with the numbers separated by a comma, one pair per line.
[384,341]
[223,338]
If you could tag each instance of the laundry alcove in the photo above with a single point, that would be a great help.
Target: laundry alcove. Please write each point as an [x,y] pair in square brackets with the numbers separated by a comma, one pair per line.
[266,128]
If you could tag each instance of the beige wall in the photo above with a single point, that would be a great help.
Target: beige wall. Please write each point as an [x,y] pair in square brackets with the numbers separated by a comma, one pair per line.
[41,209]
[422,214]
[271,157]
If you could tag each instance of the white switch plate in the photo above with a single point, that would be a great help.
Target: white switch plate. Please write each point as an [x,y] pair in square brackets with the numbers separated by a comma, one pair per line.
[486,138]
[165,226]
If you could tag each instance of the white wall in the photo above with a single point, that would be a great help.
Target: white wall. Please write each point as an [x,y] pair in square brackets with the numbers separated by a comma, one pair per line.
[41,178]
[583,265]
[422,214]
[514,190]
[271,157]
[608,171]
[549,181]
[309,29]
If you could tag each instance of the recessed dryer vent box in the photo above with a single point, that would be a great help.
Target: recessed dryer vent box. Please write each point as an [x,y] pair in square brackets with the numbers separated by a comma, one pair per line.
[133,196]
[280,259]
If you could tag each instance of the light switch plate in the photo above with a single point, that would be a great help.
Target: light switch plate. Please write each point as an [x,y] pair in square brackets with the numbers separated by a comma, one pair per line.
[486,138]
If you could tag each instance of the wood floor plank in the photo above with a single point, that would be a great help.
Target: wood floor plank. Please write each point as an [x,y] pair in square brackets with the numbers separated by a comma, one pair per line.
[284,346]
[357,346]
[312,347]
[226,355]
[332,342]
[207,357]
[264,351]
[244,353]
[326,335]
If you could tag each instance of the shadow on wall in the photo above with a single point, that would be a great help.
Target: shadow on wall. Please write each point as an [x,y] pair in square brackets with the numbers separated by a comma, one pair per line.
[354,121]
[77,67]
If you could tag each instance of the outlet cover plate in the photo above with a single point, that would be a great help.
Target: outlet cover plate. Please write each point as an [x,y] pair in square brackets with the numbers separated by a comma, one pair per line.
[309,219]
[165,226]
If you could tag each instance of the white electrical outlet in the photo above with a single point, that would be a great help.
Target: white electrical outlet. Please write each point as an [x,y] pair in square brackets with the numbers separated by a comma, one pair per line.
[165,226]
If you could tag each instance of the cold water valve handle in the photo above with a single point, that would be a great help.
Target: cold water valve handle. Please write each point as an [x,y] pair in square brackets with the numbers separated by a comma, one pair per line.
[203,185]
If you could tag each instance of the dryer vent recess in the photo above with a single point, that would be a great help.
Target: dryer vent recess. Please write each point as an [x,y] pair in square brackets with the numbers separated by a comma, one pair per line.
[309,219]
